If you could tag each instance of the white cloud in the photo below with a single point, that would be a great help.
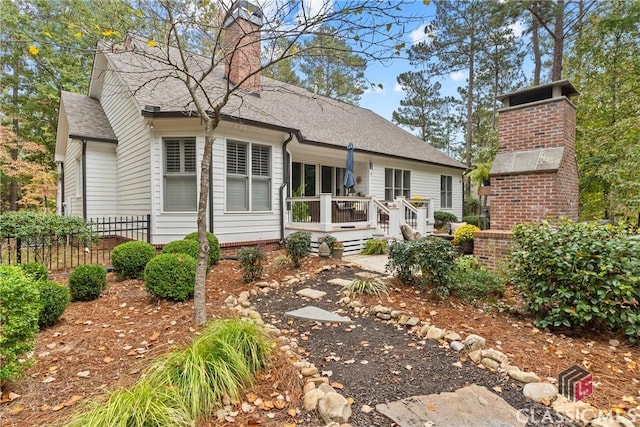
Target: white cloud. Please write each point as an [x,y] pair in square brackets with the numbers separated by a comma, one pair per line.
[517,28]
[373,89]
[418,35]
[457,76]
[398,88]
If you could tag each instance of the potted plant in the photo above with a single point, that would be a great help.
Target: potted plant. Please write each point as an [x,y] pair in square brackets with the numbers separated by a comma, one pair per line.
[338,249]
[463,237]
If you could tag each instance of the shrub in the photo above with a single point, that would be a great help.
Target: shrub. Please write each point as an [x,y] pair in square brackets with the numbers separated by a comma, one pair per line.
[251,263]
[441,218]
[375,247]
[54,299]
[464,233]
[189,247]
[38,228]
[214,246]
[578,275]
[367,286]
[430,255]
[473,282]
[471,205]
[472,219]
[171,276]
[329,240]
[87,282]
[129,259]
[35,270]
[297,245]
[18,321]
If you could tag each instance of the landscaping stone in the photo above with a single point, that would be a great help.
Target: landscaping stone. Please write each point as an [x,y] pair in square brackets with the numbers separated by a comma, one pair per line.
[403,320]
[496,355]
[383,316]
[456,346]
[308,372]
[314,313]
[452,336]
[333,407]
[578,411]
[340,282]
[311,399]
[540,392]
[307,387]
[310,293]
[434,333]
[413,321]
[523,377]
[476,356]
[490,363]
[474,342]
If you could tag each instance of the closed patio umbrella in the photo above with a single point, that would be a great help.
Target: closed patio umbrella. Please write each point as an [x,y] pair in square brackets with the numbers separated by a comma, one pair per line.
[349,177]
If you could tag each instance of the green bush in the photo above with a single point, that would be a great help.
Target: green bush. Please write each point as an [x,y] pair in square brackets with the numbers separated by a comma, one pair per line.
[472,219]
[189,247]
[375,247]
[441,218]
[472,282]
[39,228]
[578,275]
[214,246]
[251,263]
[430,255]
[471,205]
[171,276]
[87,282]
[19,309]
[129,259]
[35,270]
[297,245]
[54,299]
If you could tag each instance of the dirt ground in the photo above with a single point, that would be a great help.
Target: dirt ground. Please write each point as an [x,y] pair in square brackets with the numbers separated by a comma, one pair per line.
[103,344]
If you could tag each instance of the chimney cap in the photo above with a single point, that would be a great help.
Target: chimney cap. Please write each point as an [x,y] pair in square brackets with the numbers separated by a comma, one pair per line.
[555,89]
[246,10]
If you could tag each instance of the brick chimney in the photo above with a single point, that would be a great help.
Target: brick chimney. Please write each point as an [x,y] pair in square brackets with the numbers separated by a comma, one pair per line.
[535,173]
[242,42]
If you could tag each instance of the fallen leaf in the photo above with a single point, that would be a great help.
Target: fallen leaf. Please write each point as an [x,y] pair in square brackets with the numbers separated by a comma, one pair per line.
[57,407]
[337,385]
[83,374]
[431,407]
[457,364]
[154,336]
[350,400]
[251,397]
[497,389]
[75,398]
[292,412]
[266,405]
[16,410]
[289,424]
[628,399]
[107,360]
[48,380]
[280,404]
[8,396]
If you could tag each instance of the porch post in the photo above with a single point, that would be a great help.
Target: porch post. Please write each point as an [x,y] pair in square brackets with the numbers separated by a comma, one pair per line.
[325,212]
[394,222]
[372,213]
[421,219]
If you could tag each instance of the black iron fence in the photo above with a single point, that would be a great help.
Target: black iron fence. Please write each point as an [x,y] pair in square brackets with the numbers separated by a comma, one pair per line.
[58,253]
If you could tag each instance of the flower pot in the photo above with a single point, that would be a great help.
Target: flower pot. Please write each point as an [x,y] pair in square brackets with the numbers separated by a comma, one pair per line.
[337,253]
[466,246]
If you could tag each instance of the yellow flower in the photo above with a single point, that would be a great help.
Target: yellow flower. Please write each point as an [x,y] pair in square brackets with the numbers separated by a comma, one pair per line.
[152,43]
[33,50]
[464,233]
[108,32]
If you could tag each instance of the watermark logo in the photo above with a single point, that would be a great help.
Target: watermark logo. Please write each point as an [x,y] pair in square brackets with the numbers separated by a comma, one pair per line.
[575,383]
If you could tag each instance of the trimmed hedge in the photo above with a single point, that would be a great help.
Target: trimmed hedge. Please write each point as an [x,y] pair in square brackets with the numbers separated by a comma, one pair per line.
[36,270]
[171,276]
[441,218]
[18,321]
[54,299]
[214,246]
[189,247]
[129,259]
[87,282]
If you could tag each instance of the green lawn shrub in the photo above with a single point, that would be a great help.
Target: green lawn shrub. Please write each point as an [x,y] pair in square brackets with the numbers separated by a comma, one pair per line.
[54,300]
[189,247]
[298,245]
[171,276]
[432,256]
[472,282]
[129,259]
[251,259]
[36,270]
[375,247]
[441,218]
[87,282]
[472,219]
[578,275]
[214,246]
[19,309]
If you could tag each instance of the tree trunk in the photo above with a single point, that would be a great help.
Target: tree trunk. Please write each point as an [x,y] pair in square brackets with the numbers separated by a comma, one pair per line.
[535,42]
[469,127]
[13,183]
[199,292]
[558,42]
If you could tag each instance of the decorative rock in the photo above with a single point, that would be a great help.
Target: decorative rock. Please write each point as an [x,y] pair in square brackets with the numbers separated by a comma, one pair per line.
[309,372]
[423,330]
[523,377]
[496,355]
[403,320]
[308,386]
[506,368]
[395,313]
[340,282]
[366,409]
[452,336]
[311,293]
[435,333]
[380,309]
[311,399]
[540,392]
[318,380]
[326,388]
[383,316]
[262,284]
[576,411]
[474,342]
[490,363]
[252,314]
[413,321]
[456,346]
[334,408]
[476,356]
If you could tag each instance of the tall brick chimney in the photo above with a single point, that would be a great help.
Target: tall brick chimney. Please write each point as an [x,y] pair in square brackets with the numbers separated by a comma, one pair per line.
[242,41]
[535,173]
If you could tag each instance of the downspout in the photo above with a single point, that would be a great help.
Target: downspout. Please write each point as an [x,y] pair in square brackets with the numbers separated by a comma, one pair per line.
[84,179]
[63,206]
[285,182]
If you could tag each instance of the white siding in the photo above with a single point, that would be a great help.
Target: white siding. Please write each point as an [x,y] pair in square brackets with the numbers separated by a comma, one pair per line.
[132,155]
[72,176]
[101,179]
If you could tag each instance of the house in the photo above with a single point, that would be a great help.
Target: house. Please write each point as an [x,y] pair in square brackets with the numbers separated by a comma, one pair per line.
[132,147]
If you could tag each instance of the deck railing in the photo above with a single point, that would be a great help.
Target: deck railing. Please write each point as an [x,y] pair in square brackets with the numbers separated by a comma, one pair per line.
[58,253]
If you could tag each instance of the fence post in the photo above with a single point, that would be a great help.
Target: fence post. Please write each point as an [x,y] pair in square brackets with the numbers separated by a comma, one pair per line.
[148,228]
[18,251]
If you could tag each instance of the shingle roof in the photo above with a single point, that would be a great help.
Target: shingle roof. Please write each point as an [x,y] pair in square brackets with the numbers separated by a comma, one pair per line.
[86,118]
[319,120]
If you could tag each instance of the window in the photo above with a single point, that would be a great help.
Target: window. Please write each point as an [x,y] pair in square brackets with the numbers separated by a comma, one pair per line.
[303,174]
[446,192]
[397,182]
[333,180]
[180,192]
[248,188]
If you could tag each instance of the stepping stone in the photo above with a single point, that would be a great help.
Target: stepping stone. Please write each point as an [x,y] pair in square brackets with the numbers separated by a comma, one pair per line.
[310,312]
[340,282]
[311,293]
[470,406]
